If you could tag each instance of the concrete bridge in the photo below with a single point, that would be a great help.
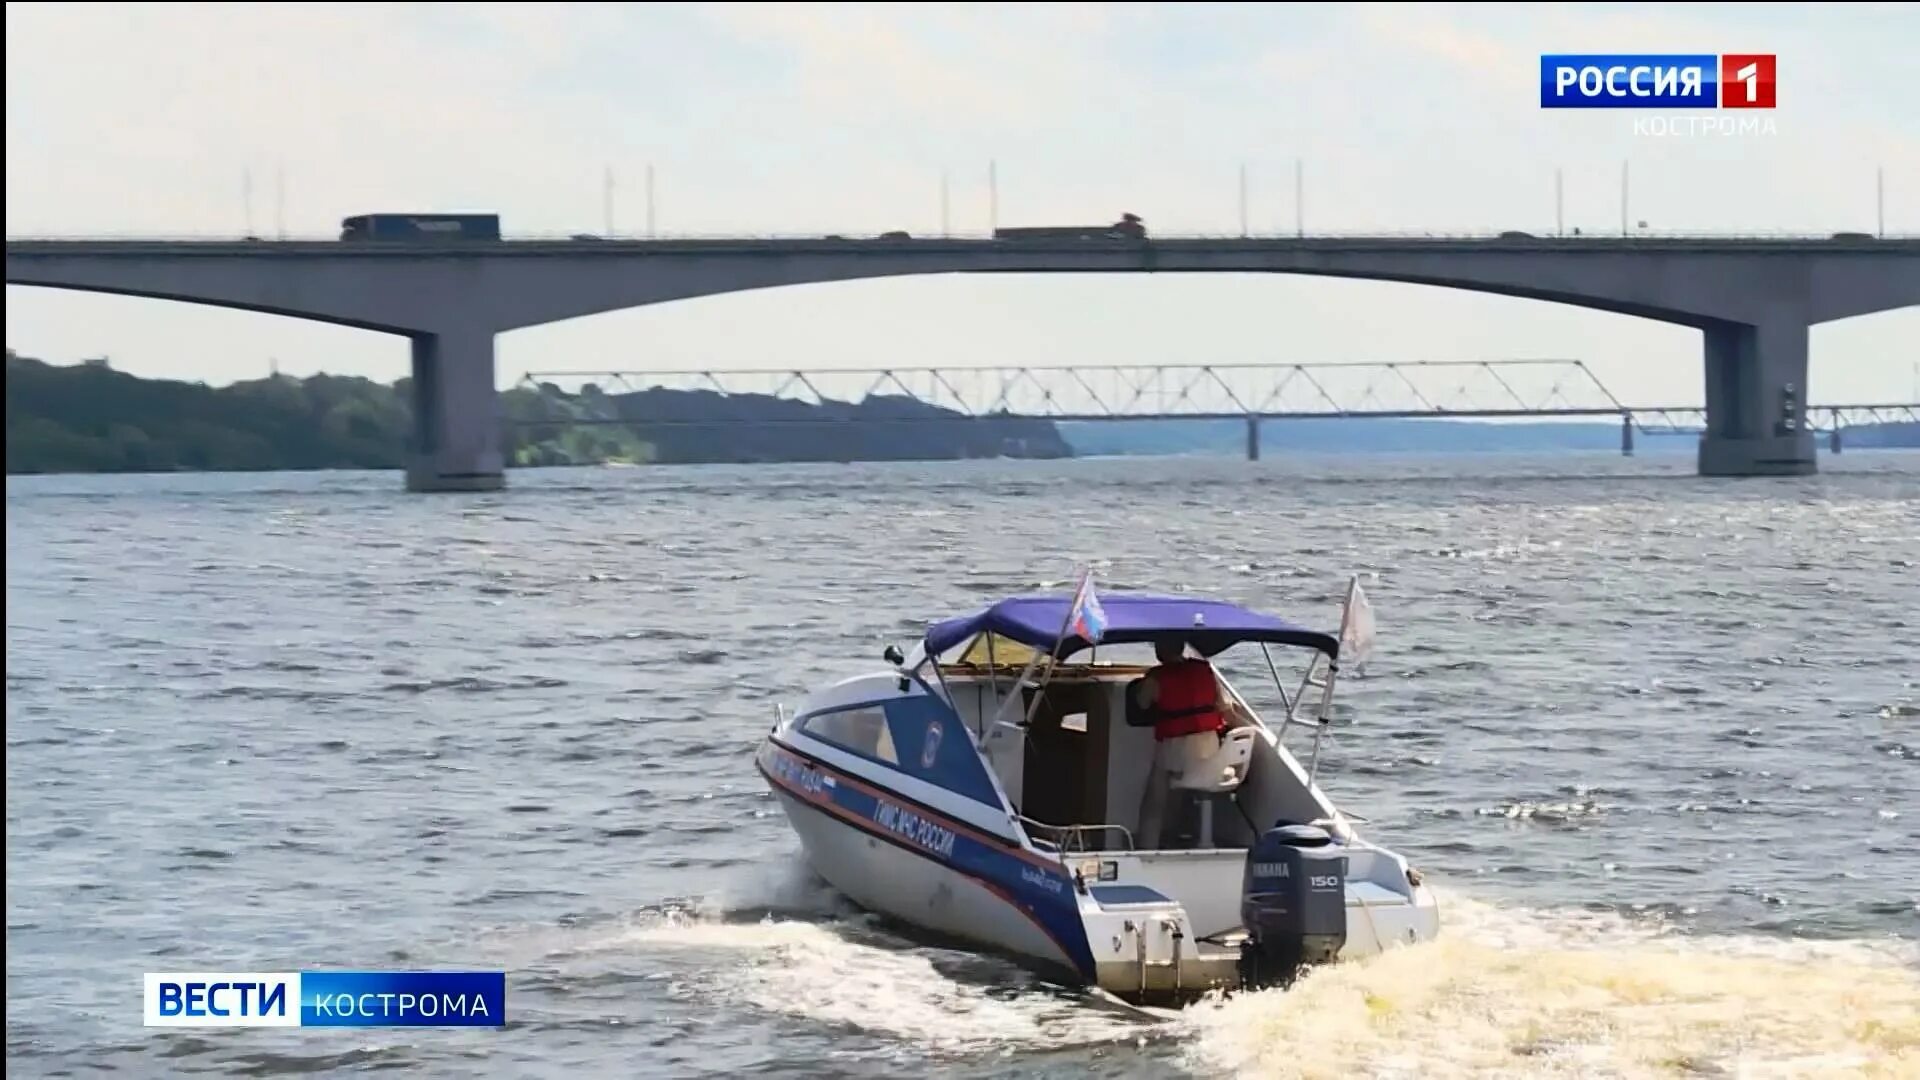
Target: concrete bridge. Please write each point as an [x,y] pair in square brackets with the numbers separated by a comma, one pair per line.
[1752,299]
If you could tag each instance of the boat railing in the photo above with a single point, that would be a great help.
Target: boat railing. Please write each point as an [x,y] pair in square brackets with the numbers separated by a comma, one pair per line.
[1071,839]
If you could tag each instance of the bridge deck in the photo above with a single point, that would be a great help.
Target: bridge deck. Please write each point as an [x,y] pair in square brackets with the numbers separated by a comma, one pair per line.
[625,245]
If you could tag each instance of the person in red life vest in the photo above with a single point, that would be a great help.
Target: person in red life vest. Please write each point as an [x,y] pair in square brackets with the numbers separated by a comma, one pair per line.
[1182,694]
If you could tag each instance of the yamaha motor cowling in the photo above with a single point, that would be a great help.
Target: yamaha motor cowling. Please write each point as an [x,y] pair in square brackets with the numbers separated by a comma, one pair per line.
[1293,903]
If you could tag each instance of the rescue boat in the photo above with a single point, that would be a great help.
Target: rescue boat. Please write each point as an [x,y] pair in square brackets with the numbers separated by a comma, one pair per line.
[987,787]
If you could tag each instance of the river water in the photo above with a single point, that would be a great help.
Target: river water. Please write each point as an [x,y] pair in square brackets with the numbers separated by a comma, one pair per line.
[1656,738]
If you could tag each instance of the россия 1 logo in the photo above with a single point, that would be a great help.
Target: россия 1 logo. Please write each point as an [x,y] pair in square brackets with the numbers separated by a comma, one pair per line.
[1657,81]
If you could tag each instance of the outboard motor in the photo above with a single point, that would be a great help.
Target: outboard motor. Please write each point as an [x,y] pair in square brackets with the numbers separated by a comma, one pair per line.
[1293,903]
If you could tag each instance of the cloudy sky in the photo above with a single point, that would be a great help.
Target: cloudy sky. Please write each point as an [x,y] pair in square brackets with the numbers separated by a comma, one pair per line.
[148,119]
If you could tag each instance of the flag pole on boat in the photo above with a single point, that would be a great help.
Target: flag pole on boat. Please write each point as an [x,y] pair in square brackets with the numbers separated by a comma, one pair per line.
[1085,615]
[1356,642]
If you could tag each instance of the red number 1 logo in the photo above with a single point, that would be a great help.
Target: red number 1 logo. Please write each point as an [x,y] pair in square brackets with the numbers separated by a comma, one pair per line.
[1746,81]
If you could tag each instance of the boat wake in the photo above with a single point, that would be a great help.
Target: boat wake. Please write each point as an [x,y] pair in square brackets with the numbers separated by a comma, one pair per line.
[934,1001]
[787,944]
[1510,993]
[1503,992]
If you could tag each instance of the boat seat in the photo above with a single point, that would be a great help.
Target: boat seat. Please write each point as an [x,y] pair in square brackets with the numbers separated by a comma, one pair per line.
[1226,770]
[1220,774]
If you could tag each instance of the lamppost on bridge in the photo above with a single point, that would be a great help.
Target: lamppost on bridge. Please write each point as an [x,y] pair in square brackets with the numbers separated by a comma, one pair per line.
[993,196]
[1559,205]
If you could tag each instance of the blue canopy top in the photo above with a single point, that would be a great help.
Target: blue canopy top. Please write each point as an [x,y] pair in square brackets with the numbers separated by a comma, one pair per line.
[1209,626]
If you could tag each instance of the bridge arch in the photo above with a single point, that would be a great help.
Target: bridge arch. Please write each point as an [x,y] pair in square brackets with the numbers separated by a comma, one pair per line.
[1680,298]
[252,306]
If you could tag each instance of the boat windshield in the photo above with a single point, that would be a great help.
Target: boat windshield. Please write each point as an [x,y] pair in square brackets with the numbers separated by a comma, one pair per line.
[993,650]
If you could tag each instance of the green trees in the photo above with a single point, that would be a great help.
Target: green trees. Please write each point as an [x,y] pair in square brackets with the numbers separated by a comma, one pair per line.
[91,418]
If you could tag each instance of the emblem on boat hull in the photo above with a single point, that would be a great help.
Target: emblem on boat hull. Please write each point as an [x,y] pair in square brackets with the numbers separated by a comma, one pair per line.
[932,749]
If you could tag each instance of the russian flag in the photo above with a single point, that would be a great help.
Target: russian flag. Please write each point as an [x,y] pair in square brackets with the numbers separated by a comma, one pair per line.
[1087,618]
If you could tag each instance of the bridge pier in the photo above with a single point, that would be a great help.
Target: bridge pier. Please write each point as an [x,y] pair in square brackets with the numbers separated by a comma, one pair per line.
[458,431]
[1253,438]
[1756,400]
[1626,435]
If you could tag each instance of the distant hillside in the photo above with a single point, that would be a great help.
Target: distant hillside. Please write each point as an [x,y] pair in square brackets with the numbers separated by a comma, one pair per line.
[705,426]
[1125,437]
[1229,437]
[91,418]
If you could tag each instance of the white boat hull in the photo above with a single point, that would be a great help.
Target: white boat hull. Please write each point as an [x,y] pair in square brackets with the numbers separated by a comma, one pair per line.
[890,881]
[904,859]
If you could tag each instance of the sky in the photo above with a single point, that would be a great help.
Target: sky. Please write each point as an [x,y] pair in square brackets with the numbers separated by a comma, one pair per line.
[209,120]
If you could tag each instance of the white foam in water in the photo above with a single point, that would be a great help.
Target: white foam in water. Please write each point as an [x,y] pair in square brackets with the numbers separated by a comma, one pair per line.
[1511,993]
[786,963]
[817,972]
[1504,992]
[786,886]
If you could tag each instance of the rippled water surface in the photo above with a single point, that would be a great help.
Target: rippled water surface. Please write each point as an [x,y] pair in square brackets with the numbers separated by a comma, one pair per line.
[1657,738]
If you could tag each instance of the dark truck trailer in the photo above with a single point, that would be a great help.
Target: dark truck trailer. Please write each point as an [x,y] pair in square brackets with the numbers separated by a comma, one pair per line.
[421,227]
[1129,227]
[1054,232]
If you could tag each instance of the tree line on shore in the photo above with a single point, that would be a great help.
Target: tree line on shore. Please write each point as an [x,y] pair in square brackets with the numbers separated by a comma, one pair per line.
[89,417]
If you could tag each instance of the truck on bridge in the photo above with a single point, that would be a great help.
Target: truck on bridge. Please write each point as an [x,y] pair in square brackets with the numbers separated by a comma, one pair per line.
[421,227]
[1129,227]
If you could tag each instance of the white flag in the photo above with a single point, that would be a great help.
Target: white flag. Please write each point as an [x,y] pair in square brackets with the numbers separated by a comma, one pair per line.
[1356,626]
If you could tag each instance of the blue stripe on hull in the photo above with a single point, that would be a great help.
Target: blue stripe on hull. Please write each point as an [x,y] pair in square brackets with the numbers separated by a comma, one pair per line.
[1033,885]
